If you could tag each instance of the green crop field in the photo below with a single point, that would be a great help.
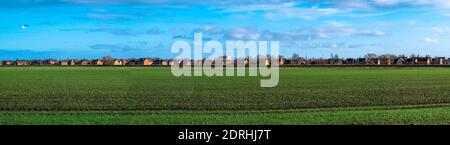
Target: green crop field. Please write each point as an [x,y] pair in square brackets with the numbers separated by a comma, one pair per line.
[151,95]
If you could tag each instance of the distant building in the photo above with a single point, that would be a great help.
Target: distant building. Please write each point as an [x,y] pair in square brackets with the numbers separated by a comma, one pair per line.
[64,62]
[401,60]
[350,61]
[319,61]
[282,61]
[145,61]
[410,61]
[227,60]
[373,60]
[9,62]
[84,62]
[72,62]
[422,60]
[124,61]
[37,62]
[168,62]
[97,62]
[388,59]
[51,62]
[132,61]
[361,61]
[335,61]
[22,63]
[439,60]
[165,63]
[267,62]
[67,62]
[117,62]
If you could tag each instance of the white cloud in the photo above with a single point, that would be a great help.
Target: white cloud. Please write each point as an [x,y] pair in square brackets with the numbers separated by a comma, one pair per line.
[440,29]
[208,29]
[281,10]
[373,33]
[438,3]
[431,40]
[334,45]
[382,4]
[386,2]
[110,16]
[329,30]
[302,13]
[259,7]
[332,28]
[412,22]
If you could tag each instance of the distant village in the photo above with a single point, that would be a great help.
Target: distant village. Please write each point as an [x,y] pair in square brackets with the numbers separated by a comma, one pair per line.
[295,60]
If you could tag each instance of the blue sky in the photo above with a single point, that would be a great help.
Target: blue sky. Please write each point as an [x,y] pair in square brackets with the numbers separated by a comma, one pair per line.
[147,28]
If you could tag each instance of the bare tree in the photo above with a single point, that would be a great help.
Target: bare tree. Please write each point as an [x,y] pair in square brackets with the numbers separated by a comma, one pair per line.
[107,60]
[371,55]
[295,56]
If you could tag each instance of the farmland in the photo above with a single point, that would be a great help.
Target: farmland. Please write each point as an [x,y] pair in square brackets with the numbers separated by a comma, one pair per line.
[151,95]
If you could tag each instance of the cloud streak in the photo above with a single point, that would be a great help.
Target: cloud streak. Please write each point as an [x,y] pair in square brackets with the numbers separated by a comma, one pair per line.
[321,32]
[250,5]
[118,31]
[129,47]
[430,40]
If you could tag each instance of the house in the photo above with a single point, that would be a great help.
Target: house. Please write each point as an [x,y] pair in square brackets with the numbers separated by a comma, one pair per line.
[439,60]
[84,62]
[50,62]
[9,62]
[193,62]
[206,62]
[242,61]
[401,60]
[180,62]
[165,63]
[388,59]
[37,62]
[169,62]
[334,61]
[350,61]
[117,62]
[410,61]
[148,61]
[67,62]
[44,62]
[72,62]
[226,60]
[373,60]
[22,63]
[360,61]
[299,61]
[267,62]
[145,61]
[132,61]
[422,60]
[158,61]
[282,60]
[319,61]
[97,62]
[124,61]
[288,62]
[189,62]
[64,62]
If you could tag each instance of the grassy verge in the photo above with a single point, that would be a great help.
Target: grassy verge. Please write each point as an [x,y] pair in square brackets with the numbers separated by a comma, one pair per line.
[439,114]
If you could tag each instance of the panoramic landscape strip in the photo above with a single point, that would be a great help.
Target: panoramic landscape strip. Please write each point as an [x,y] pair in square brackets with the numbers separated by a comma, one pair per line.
[295,60]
